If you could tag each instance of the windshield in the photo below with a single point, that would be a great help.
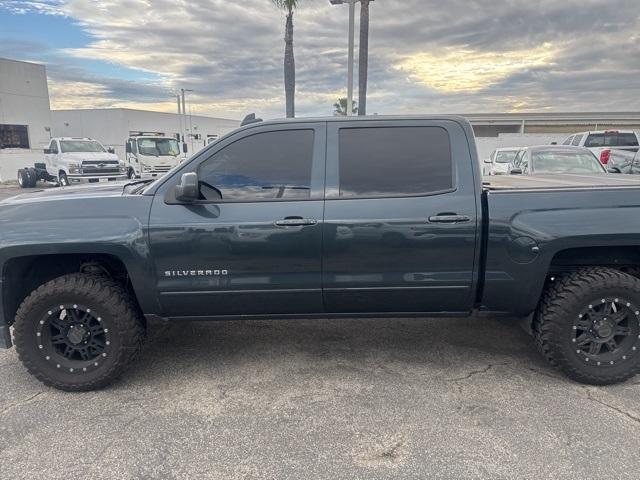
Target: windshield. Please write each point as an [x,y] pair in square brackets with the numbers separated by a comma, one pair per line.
[158,147]
[558,161]
[67,146]
[612,139]
[506,156]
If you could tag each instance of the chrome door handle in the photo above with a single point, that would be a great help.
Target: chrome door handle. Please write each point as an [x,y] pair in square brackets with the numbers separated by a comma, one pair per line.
[296,222]
[449,219]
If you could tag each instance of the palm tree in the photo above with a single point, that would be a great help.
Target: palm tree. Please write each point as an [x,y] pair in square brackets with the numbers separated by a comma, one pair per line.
[289,61]
[340,107]
[363,61]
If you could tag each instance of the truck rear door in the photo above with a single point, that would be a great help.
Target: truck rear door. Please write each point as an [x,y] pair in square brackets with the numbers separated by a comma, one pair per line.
[401,218]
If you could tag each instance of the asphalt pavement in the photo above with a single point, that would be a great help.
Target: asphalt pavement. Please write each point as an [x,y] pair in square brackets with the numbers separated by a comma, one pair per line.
[324,399]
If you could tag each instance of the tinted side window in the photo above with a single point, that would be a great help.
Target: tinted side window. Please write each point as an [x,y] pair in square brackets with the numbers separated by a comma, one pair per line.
[394,161]
[53,147]
[261,167]
[577,139]
[568,141]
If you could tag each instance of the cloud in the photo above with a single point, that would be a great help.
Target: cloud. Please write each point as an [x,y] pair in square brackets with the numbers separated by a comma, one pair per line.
[455,70]
[425,55]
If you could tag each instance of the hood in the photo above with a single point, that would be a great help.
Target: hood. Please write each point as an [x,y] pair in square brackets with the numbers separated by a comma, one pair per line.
[79,156]
[113,189]
[500,167]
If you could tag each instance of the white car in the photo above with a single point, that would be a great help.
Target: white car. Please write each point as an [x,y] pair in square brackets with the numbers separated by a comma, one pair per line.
[602,141]
[82,160]
[499,161]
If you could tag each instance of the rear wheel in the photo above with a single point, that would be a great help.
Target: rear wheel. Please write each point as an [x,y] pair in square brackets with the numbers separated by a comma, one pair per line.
[23,178]
[78,332]
[588,325]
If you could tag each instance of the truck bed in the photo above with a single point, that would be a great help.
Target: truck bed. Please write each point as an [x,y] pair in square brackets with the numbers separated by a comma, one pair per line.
[534,221]
[559,182]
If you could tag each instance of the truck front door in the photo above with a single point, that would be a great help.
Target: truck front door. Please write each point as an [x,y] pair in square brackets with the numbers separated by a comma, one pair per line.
[400,231]
[252,244]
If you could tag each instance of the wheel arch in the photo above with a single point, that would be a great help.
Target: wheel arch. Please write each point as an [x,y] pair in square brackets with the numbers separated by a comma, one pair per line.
[22,275]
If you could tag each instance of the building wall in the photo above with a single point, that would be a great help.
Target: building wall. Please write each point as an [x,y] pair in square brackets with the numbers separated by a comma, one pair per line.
[24,100]
[112,127]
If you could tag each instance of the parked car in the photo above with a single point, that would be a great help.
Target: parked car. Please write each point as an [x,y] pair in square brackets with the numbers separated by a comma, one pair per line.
[316,218]
[499,161]
[601,142]
[555,159]
[82,160]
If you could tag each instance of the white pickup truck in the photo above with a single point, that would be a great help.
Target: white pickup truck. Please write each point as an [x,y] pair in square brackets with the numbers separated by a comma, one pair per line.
[81,160]
[603,141]
[152,156]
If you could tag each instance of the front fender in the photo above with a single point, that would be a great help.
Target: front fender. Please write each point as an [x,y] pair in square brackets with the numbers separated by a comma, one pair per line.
[115,226]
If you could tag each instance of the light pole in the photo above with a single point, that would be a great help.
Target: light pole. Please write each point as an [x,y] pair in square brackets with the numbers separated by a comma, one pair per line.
[184,111]
[352,15]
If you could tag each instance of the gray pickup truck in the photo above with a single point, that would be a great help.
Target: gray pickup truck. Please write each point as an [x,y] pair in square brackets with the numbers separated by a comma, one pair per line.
[317,218]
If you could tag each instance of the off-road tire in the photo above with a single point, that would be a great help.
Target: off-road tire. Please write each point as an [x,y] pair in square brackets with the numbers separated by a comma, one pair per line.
[119,315]
[562,302]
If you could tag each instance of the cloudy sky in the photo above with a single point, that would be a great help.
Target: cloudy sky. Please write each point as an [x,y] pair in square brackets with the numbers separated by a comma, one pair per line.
[457,56]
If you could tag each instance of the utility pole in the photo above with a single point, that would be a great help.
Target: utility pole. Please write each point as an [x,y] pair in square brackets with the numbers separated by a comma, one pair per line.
[184,113]
[181,132]
[352,19]
[352,15]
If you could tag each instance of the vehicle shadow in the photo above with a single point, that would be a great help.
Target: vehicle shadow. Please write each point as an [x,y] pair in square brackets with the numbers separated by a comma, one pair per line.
[425,346]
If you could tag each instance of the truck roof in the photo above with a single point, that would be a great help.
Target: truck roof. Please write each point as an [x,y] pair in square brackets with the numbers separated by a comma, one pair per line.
[560,182]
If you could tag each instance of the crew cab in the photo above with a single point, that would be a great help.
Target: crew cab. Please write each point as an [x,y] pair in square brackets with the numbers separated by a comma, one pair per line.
[81,160]
[601,142]
[317,218]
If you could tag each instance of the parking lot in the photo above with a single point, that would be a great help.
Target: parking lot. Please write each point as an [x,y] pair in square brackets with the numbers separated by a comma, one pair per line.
[404,398]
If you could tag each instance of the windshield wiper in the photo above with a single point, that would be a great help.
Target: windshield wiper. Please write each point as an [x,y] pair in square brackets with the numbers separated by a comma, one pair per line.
[139,183]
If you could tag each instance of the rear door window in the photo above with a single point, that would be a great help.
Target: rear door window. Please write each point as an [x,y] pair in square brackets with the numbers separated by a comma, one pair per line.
[576,140]
[394,161]
[568,141]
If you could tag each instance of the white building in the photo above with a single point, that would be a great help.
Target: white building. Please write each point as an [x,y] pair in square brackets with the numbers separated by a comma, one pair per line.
[25,118]
[112,126]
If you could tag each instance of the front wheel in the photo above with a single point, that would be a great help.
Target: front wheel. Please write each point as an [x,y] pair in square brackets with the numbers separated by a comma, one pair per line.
[78,332]
[131,174]
[588,325]
[63,180]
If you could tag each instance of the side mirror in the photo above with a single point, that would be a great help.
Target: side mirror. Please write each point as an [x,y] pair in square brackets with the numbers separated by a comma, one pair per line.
[128,147]
[613,170]
[47,151]
[111,150]
[184,148]
[188,190]
[487,161]
[515,171]
[554,143]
